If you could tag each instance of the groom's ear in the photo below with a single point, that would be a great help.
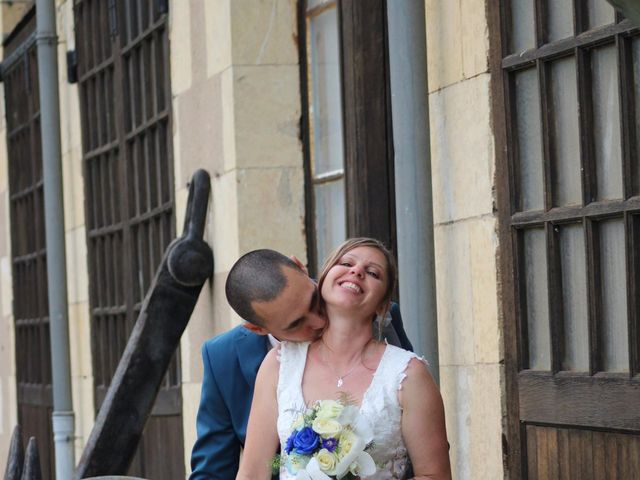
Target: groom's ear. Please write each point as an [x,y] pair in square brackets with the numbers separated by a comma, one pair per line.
[255,328]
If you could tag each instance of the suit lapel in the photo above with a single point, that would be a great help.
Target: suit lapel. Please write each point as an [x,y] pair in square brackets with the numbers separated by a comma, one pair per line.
[251,349]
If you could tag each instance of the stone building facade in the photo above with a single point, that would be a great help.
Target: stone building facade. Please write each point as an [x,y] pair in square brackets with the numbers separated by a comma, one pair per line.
[236,99]
[237,91]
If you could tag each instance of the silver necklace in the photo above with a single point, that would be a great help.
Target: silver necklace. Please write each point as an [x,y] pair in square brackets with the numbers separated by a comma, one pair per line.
[341,378]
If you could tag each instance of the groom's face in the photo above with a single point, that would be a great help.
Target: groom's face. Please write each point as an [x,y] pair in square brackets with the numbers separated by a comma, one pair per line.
[294,314]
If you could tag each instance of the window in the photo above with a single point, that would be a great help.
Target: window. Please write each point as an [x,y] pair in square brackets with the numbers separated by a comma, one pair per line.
[570,211]
[28,242]
[346,124]
[125,100]
[325,126]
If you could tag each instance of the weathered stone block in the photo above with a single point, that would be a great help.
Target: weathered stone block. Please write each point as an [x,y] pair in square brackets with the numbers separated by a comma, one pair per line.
[180,51]
[462,150]
[264,32]
[475,37]
[199,122]
[486,324]
[271,210]
[267,116]
[454,294]
[217,14]
[444,43]
[77,274]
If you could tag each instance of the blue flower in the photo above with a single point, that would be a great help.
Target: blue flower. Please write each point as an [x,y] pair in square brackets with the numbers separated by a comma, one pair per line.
[289,445]
[330,444]
[306,441]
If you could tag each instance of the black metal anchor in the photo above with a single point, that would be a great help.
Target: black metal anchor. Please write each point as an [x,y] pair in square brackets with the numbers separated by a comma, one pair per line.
[187,264]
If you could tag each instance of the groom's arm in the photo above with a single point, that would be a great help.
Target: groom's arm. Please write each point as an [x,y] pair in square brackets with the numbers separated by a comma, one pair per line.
[216,452]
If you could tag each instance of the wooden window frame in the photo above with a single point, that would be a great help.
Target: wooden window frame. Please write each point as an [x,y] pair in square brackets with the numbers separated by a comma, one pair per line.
[615,390]
[367,124]
[125,100]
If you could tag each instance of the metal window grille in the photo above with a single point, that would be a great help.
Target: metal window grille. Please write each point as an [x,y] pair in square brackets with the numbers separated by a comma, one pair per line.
[123,71]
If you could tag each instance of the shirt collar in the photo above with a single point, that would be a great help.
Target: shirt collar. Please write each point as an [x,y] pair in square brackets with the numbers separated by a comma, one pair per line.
[273,341]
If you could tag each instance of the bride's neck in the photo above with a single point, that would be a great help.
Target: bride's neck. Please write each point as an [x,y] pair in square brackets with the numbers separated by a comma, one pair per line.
[345,335]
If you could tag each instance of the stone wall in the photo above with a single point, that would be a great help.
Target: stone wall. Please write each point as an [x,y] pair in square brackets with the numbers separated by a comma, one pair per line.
[463,165]
[235,81]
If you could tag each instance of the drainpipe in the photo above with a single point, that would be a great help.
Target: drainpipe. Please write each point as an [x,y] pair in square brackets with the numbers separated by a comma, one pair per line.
[412,163]
[63,418]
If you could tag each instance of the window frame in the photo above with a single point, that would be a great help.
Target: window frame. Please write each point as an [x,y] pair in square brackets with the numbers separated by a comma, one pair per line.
[532,396]
[127,156]
[367,123]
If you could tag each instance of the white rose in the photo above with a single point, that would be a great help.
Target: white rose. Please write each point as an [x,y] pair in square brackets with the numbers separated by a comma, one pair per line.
[326,427]
[326,460]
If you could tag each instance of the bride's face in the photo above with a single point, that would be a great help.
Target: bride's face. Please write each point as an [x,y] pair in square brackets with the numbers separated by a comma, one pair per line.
[357,281]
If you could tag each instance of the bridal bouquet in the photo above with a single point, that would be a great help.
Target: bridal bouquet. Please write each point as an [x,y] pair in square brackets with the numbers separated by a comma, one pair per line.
[329,441]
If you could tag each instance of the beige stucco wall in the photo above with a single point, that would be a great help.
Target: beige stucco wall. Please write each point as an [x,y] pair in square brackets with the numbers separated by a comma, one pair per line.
[463,165]
[236,105]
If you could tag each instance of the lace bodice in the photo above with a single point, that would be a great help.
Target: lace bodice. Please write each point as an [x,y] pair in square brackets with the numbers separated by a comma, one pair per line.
[379,406]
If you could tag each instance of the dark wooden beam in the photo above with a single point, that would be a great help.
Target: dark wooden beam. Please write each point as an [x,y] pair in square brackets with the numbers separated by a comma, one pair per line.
[368,139]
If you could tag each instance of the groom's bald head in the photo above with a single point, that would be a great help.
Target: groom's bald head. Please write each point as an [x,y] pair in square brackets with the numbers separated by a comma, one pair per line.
[273,294]
[257,276]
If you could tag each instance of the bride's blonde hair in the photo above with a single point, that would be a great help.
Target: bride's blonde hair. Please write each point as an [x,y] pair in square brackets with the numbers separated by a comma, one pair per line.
[336,255]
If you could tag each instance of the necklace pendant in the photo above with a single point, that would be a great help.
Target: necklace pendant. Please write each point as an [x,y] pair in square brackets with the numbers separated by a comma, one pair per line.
[339,382]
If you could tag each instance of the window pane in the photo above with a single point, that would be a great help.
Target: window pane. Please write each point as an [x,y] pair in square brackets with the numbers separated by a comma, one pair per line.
[574,299]
[522,25]
[535,260]
[606,122]
[326,103]
[316,3]
[600,13]
[564,123]
[559,19]
[331,225]
[529,139]
[613,326]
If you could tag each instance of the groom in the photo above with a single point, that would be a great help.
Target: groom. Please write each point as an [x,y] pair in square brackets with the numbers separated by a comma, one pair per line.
[279,302]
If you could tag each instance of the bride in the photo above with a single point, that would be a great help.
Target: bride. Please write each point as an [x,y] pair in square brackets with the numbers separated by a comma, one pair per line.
[391,389]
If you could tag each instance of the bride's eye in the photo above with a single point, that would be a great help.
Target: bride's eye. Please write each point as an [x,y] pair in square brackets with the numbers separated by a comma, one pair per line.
[374,274]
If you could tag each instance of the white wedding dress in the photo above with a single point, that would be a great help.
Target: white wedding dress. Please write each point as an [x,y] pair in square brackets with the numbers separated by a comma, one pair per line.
[379,406]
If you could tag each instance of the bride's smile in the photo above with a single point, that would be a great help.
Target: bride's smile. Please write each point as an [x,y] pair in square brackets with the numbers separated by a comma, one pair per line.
[357,280]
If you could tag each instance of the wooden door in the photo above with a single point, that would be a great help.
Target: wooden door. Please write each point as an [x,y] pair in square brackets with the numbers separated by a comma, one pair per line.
[125,101]
[566,98]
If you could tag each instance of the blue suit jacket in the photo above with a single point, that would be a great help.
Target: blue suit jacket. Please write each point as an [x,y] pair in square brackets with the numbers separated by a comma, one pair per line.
[231,363]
